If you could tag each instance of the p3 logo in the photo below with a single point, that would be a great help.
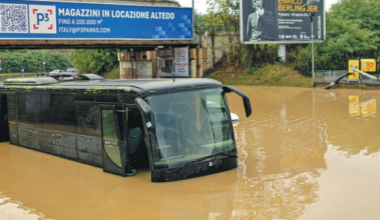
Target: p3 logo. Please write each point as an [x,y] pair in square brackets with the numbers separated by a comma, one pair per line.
[43,19]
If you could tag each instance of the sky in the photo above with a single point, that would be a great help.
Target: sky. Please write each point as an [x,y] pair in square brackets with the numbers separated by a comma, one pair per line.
[201,6]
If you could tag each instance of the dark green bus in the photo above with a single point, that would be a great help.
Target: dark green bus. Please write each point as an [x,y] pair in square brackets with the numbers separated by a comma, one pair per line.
[180,128]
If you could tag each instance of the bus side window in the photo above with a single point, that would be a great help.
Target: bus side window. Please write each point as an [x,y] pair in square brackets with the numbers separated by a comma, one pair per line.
[135,131]
[88,119]
[110,136]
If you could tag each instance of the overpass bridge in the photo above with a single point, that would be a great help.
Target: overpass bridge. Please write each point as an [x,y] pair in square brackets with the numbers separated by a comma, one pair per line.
[141,27]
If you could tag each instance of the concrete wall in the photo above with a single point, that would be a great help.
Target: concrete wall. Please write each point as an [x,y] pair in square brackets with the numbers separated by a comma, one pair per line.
[216,46]
[136,69]
[210,50]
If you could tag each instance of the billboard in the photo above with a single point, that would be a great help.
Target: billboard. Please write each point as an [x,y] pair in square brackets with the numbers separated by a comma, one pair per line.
[77,20]
[173,62]
[281,21]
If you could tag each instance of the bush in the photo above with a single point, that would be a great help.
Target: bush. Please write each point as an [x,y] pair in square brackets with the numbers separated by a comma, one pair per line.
[95,60]
[31,61]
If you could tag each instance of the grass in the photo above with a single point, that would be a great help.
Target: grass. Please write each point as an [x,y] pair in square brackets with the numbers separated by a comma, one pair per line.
[113,74]
[276,74]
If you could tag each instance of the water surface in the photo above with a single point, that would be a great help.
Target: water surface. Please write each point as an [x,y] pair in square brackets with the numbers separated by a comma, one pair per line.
[303,154]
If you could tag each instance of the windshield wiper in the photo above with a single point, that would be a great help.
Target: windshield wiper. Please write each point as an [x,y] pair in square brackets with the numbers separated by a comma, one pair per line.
[189,163]
[200,159]
[230,155]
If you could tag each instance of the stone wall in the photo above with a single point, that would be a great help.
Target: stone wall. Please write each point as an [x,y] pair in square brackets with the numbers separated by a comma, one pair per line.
[136,69]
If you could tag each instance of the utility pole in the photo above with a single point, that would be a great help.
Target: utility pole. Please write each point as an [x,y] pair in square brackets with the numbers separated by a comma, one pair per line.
[192,5]
[311,14]
[43,59]
[312,48]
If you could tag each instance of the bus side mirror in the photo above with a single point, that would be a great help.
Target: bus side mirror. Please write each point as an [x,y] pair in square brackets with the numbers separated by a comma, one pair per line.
[247,103]
[147,111]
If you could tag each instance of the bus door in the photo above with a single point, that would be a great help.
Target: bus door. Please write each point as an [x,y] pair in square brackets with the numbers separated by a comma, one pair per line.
[4,129]
[115,157]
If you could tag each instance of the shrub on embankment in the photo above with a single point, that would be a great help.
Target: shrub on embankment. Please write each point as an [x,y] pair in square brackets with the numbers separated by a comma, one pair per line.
[101,60]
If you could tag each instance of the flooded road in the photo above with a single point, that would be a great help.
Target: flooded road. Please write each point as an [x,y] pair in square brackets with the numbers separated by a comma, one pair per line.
[303,154]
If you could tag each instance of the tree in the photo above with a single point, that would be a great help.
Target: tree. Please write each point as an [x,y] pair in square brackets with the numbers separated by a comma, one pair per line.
[351,32]
[31,61]
[95,60]
[223,13]
[226,14]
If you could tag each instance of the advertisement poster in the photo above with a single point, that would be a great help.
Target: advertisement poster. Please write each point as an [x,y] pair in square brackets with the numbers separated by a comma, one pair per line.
[79,20]
[173,62]
[181,61]
[281,21]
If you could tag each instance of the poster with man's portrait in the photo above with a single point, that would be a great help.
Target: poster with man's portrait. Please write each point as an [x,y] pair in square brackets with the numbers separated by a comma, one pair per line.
[281,21]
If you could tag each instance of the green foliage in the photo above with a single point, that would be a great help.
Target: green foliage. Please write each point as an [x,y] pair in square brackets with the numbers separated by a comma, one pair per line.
[243,77]
[199,22]
[352,30]
[95,60]
[276,78]
[252,71]
[113,74]
[222,13]
[213,74]
[31,61]
[230,69]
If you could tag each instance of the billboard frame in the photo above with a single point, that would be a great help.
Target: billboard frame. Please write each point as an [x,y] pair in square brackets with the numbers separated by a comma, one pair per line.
[95,39]
[281,42]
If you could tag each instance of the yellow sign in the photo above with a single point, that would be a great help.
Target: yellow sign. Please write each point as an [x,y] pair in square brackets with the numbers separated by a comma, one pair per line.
[350,64]
[368,65]
[357,108]
[369,108]
[353,106]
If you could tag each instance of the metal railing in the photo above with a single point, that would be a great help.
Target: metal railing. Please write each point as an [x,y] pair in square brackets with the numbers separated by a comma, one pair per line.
[328,75]
[332,75]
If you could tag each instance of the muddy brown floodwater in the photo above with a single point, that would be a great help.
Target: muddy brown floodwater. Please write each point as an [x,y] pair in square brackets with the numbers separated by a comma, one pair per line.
[303,154]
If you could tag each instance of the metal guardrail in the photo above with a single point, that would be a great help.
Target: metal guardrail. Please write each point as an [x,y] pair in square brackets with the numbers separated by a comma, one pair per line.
[331,75]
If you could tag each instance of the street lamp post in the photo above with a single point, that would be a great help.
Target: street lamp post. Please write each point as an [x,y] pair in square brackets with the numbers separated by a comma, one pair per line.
[311,14]
[312,48]
[43,60]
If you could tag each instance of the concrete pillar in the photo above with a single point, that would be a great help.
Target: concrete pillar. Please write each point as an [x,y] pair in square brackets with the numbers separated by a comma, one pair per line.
[282,52]
[193,68]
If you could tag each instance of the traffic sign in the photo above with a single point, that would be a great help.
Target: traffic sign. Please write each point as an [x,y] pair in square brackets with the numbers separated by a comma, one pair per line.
[0,68]
[22,70]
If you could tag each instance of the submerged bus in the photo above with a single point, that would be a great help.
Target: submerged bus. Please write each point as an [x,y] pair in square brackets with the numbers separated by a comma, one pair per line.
[180,128]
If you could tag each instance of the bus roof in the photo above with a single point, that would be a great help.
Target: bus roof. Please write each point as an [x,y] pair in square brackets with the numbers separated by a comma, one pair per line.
[140,86]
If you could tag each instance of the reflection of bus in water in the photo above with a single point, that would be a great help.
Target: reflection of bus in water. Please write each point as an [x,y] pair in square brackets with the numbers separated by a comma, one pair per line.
[182,128]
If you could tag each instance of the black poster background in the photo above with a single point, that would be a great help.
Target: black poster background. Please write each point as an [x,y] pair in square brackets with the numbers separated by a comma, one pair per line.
[289,24]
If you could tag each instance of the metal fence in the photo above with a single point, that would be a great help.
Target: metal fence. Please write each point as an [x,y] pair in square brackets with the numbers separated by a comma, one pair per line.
[332,75]
[328,75]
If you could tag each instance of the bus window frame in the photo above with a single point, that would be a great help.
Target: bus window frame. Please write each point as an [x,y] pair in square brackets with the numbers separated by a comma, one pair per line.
[167,174]
[121,170]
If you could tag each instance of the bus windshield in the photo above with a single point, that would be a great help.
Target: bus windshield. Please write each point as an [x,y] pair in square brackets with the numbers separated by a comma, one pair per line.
[190,125]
